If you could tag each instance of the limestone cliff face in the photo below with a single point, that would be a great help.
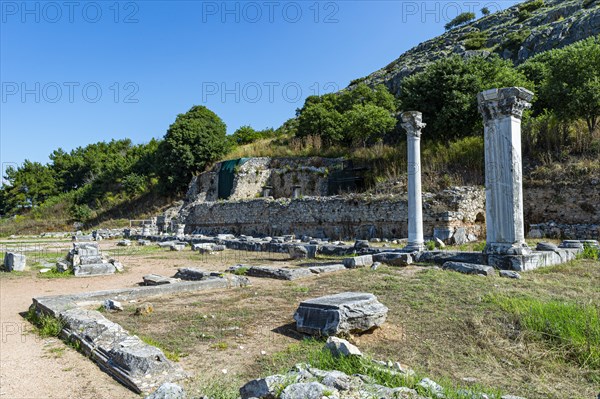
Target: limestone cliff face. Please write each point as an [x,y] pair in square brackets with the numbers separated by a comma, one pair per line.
[513,34]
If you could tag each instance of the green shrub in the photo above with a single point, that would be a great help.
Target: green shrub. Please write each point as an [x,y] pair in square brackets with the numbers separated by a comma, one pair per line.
[524,15]
[460,19]
[531,5]
[514,40]
[48,326]
[475,40]
[589,252]
[430,245]
[81,213]
[242,271]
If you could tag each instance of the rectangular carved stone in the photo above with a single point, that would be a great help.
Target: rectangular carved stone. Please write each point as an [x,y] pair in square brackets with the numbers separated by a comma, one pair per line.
[14,261]
[344,313]
[470,268]
[358,261]
[280,274]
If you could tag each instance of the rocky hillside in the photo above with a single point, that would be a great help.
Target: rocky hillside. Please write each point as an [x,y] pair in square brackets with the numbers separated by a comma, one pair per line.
[516,33]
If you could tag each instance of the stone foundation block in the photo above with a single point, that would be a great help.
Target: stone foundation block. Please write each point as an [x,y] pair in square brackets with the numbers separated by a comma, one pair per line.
[344,313]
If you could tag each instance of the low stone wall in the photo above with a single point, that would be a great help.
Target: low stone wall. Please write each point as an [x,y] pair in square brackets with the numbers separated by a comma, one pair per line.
[563,211]
[338,217]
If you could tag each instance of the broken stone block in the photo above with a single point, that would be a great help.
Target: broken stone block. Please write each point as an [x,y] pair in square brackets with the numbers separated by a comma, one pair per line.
[305,390]
[460,236]
[90,260]
[86,248]
[432,387]
[469,268]
[361,244]
[177,247]
[571,244]
[344,313]
[61,266]
[546,246]
[96,269]
[341,347]
[326,268]
[118,265]
[298,252]
[263,387]
[358,261]
[139,358]
[203,248]
[393,258]
[439,243]
[192,274]
[509,274]
[168,390]
[110,304]
[155,279]
[443,233]
[124,243]
[280,274]
[14,262]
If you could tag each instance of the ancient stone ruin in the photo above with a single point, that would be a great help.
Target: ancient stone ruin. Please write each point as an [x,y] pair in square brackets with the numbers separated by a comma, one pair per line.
[86,259]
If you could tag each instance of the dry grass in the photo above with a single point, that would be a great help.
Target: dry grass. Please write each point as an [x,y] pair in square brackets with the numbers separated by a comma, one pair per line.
[442,324]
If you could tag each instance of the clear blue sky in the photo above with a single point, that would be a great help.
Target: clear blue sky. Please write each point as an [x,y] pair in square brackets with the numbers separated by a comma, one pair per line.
[79,72]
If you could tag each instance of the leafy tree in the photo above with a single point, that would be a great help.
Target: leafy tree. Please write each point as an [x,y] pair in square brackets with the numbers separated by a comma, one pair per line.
[245,135]
[460,19]
[363,94]
[485,11]
[572,85]
[319,119]
[192,142]
[367,123]
[446,93]
[28,186]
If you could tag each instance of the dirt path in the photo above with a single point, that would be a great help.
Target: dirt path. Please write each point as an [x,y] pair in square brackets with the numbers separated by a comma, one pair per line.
[36,368]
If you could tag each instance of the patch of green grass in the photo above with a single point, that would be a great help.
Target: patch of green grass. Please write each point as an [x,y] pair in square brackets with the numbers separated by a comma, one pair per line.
[221,389]
[221,346]
[47,326]
[241,271]
[573,328]
[57,351]
[53,273]
[173,356]
[589,252]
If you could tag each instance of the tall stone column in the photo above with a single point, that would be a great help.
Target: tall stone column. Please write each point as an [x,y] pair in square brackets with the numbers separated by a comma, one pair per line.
[502,110]
[412,123]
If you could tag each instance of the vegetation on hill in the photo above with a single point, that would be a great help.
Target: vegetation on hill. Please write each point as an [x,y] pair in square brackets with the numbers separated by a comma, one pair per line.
[106,180]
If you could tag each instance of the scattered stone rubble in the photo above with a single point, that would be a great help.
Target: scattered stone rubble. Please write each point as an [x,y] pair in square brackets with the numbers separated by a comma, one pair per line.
[86,259]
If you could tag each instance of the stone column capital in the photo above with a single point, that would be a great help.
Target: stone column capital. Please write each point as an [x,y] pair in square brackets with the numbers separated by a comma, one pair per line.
[499,103]
[412,122]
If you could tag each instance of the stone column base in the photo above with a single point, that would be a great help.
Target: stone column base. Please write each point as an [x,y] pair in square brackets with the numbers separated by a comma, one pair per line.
[502,248]
[414,247]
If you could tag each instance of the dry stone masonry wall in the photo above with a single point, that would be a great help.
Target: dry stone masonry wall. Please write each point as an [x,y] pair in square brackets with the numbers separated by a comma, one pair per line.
[337,217]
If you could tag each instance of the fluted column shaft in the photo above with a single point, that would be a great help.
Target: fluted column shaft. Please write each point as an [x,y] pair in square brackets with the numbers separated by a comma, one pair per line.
[502,110]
